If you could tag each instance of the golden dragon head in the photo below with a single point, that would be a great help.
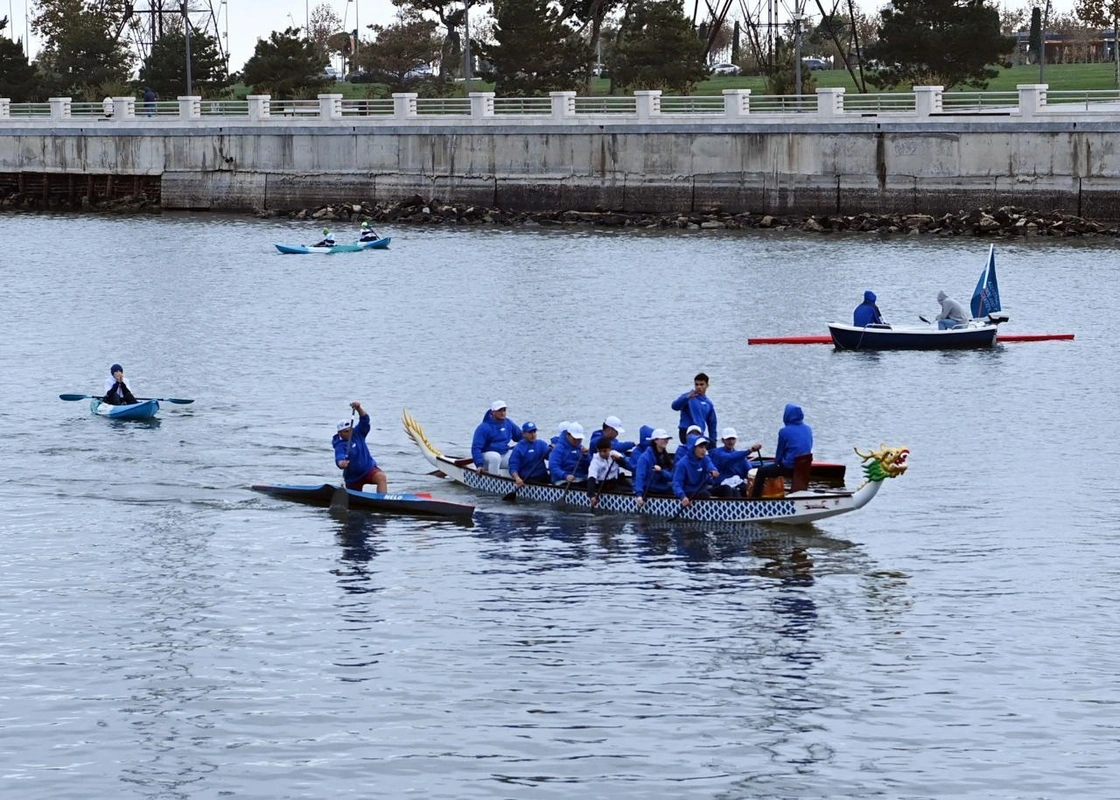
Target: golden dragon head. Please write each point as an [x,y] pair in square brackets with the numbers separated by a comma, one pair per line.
[886,462]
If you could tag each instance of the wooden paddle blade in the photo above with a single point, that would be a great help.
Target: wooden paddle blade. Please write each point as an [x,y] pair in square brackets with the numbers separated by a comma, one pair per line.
[340,500]
[510,497]
[74,396]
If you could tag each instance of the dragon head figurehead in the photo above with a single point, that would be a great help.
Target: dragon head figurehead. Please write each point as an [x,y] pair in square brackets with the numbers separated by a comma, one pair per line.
[886,462]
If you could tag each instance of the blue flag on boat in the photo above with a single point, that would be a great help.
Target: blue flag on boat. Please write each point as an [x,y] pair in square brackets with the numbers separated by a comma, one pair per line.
[985,299]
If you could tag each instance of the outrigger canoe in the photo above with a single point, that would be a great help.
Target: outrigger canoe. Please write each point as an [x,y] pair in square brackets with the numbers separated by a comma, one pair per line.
[145,409]
[793,508]
[419,505]
[356,247]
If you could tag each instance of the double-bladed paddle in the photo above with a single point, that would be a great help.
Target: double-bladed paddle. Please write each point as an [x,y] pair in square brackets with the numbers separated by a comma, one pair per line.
[178,400]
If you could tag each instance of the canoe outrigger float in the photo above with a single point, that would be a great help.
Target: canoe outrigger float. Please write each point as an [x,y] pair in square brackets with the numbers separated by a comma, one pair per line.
[793,508]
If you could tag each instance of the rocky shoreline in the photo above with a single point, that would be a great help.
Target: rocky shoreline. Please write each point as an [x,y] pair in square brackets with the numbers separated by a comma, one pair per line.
[1006,221]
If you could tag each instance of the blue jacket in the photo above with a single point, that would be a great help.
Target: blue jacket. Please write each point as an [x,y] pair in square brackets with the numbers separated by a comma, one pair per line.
[867,313]
[361,460]
[643,444]
[529,460]
[493,436]
[795,438]
[730,462]
[647,480]
[566,460]
[622,447]
[690,473]
[697,410]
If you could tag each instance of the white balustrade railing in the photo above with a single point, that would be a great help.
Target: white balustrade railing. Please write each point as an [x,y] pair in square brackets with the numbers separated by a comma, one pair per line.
[1030,101]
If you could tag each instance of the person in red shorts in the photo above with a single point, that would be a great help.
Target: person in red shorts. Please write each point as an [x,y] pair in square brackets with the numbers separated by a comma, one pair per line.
[353,457]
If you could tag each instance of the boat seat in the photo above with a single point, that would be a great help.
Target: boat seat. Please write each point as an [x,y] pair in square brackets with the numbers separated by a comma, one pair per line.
[802,467]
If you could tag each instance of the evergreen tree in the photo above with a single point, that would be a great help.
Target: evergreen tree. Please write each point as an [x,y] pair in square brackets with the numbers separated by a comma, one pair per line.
[286,66]
[1034,42]
[80,52]
[19,80]
[165,70]
[939,43]
[534,50]
[658,49]
[401,52]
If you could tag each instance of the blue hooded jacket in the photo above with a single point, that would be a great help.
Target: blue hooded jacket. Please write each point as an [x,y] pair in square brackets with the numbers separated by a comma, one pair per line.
[697,410]
[567,459]
[867,313]
[730,462]
[794,439]
[622,447]
[361,460]
[642,445]
[529,459]
[493,436]
[647,480]
[690,473]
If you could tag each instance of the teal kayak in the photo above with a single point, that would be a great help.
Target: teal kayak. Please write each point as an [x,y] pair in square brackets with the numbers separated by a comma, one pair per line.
[145,409]
[356,247]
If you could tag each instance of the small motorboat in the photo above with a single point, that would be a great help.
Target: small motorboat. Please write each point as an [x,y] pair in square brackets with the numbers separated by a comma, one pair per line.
[145,409]
[419,505]
[355,247]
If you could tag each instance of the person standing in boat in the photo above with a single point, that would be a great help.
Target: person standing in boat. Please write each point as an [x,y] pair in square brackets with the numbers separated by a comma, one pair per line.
[327,240]
[117,392]
[368,234]
[794,439]
[952,313]
[867,313]
[653,472]
[528,463]
[693,474]
[696,409]
[494,438]
[352,455]
[733,465]
[567,464]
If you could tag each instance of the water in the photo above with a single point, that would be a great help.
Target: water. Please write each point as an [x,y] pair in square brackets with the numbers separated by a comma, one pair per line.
[166,633]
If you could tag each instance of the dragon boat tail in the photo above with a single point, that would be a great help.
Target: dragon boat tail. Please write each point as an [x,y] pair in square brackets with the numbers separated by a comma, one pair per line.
[793,508]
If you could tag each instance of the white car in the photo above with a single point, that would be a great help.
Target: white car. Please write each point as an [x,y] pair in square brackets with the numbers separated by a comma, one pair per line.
[726,69]
[332,73]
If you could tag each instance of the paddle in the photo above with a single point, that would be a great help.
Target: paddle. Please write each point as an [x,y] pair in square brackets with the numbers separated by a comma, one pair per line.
[691,497]
[340,500]
[179,400]
[923,319]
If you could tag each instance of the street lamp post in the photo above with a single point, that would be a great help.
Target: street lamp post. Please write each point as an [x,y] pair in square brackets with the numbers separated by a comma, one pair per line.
[187,39]
[1042,44]
[467,74]
[797,51]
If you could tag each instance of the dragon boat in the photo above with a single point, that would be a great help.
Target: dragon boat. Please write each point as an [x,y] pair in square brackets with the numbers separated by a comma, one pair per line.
[793,508]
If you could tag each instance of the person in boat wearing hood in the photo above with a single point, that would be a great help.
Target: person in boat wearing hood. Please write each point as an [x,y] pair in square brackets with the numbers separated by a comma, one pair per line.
[867,313]
[368,234]
[352,455]
[567,463]
[733,465]
[117,392]
[682,448]
[693,474]
[328,239]
[528,463]
[696,409]
[494,439]
[952,313]
[653,469]
[794,439]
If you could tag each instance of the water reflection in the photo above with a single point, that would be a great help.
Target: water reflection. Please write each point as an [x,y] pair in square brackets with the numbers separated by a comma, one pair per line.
[360,537]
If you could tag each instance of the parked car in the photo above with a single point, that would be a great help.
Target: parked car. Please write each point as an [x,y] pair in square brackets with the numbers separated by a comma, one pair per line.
[419,71]
[726,69]
[332,73]
[812,62]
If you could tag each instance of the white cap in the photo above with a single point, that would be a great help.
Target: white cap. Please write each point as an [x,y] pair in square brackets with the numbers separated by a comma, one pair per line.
[699,441]
[497,405]
[575,430]
[563,426]
[616,423]
[343,424]
[692,428]
[729,433]
[660,433]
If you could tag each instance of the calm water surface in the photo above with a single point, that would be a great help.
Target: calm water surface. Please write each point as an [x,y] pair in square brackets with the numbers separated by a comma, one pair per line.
[166,633]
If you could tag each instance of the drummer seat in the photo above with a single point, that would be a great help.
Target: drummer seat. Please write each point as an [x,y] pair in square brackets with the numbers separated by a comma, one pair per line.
[802,466]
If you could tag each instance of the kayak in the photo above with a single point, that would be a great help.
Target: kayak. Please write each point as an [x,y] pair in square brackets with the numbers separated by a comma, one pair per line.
[356,247]
[420,505]
[145,409]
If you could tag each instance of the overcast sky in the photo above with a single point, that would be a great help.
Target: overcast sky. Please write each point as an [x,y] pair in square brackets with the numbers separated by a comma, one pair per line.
[249,20]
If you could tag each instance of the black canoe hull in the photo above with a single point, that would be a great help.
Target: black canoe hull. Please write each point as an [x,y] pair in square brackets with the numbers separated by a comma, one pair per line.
[410,504]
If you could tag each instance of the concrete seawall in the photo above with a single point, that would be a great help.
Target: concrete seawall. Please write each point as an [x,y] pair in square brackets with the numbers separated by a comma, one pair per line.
[845,167]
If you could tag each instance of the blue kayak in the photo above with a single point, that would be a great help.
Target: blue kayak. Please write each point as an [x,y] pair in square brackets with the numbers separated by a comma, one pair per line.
[356,247]
[145,409]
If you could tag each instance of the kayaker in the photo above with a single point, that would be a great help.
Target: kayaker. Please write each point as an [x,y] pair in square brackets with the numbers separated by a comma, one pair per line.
[328,239]
[952,313]
[528,463]
[494,438]
[368,234]
[794,439]
[352,455]
[867,313]
[117,392]
[696,409]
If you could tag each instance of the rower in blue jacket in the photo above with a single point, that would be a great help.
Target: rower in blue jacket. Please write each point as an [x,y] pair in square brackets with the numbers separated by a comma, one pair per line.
[528,463]
[693,474]
[352,455]
[794,439]
[733,465]
[653,469]
[493,438]
[567,464]
[867,313]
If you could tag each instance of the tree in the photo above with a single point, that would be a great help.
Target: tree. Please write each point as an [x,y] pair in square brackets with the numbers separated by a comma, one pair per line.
[400,53]
[286,66]
[657,49]
[165,68]
[1103,13]
[534,50]
[80,52]
[19,80]
[324,24]
[939,43]
[1034,41]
